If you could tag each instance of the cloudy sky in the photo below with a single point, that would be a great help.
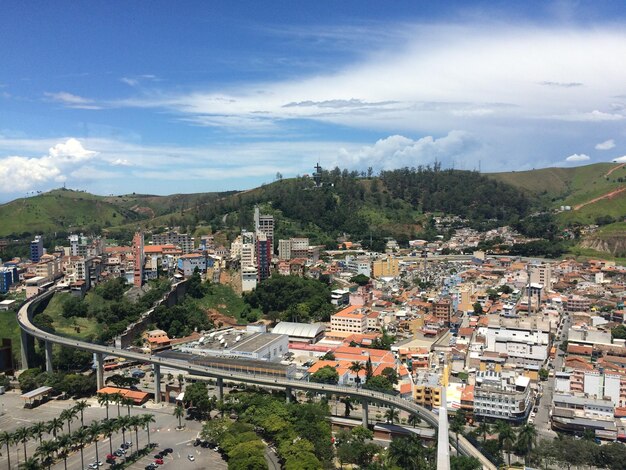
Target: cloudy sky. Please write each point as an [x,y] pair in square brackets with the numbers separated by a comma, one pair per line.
[162,97]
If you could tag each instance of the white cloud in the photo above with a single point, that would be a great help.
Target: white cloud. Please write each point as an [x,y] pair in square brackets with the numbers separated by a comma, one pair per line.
[606,145]
[578,157]
[121,162]
[129,81]
[593,116]
[462,69]
[398,151]
[26,173]
[72,101]
[619,159]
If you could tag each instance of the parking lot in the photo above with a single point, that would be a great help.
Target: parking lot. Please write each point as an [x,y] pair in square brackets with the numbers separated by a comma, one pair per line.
[163,431]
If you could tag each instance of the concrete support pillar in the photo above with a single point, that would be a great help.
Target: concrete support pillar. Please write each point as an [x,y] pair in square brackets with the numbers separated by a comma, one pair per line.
[99,370]
[157,383]
[288,394]
[220,388]
[48,349]
[27,347]
[365,421]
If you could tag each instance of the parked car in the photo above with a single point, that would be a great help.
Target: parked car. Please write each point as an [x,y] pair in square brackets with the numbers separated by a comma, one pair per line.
[191,457]
[169,450]
[158,461]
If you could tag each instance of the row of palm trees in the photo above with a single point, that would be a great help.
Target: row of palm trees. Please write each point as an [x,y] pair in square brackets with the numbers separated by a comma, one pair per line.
[105,399]
[524,439]
[64,444]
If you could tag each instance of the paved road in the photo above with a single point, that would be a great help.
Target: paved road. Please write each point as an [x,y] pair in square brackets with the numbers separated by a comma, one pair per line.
[24,318]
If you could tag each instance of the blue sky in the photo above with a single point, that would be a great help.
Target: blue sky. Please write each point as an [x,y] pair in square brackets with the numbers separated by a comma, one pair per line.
[163,97]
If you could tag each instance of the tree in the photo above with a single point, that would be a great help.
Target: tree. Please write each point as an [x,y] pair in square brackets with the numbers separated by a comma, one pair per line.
[6,439]
[80,407]
[392,415]
[45,451]
[543,374]
[506,438]
[347,401]
[369,369]
[483,429]
[458,425]
[407,452]
[127,402]
[181,380]
[379,383]
[147,419]
[197,396]
[360,279]
[81,436]
[22,435]
[179,412]
[619,332]
[64,447]
[478,309]
[391,375]
[38,429]
[463,462]
[326,375]
[95,429]
[526,440]
[68,415]
[135,422]
[104,399]
[414,419]
[109,426]
[30,464]
[356,367]
[54,425]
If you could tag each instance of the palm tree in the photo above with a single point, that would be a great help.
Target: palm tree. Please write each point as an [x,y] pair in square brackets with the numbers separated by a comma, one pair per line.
[407,452]
[68,415]
[146,420]
[80,407]
[181,380]
[347,401]
[483,429]
[135,422]
[123,424]
[104,399]
[414,419]
[38,429]
[109,426]
[95,429]
[506,438]
[6,439]
[179,412]
[55,425]
[526,440]
[65,444]
[457,426]
[22,435]
[30,464]
[46,451]
[356,367]
[128,402]
[81,436]
[391,415]
[117,399]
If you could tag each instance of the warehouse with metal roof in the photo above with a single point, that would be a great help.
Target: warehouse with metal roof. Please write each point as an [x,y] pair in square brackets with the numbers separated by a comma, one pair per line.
[300,332]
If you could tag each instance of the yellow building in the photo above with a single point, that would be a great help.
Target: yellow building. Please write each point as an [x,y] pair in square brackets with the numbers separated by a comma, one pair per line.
[388,267]
[427,395]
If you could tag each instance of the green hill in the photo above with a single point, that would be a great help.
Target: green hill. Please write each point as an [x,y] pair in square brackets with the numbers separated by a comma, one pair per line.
[60,210]
[584,189]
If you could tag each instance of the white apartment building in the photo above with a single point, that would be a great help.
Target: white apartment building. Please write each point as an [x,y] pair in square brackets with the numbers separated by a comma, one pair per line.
[248,278]
[526,345]
[503,396]
[183,240]
[359,265]
[541,274]
[248,258]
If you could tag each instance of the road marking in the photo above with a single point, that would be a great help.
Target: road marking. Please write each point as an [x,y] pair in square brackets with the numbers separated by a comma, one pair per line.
[183,442]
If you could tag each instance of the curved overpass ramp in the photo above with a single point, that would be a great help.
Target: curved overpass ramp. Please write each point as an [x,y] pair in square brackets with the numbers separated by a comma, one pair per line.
[24,318]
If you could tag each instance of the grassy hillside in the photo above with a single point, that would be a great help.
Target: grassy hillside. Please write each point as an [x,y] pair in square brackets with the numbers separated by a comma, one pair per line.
[573,187]
[60,210]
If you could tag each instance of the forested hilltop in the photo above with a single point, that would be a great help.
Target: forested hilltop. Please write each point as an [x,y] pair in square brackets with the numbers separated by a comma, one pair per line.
[368,208]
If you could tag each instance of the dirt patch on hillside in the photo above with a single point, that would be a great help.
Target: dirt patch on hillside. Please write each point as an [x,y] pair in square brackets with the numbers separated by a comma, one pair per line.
[216,317]
[600,198]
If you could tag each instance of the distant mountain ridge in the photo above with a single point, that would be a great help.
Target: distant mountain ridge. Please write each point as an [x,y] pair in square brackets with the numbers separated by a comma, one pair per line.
[390,205]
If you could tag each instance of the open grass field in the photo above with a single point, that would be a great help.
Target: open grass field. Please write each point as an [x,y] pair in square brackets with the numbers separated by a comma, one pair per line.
[80,328]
